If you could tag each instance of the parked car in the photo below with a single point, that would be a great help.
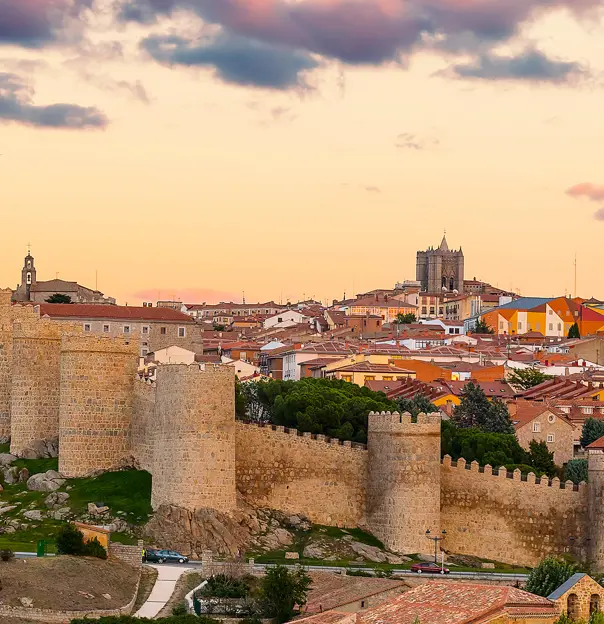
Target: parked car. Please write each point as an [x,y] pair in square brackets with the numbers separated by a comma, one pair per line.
[164,556]
[428,568]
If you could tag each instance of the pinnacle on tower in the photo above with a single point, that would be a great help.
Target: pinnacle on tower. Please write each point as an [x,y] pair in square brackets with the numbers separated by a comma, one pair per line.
[443,244]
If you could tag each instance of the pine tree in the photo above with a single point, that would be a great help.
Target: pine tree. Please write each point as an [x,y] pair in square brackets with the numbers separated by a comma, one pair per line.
[593,429]
[574,332]
[576,471]
[475,410]
[482,327]
[526,378]
[541,458]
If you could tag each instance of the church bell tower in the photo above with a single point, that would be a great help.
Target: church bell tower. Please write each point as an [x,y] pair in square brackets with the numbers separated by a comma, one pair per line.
[28,274]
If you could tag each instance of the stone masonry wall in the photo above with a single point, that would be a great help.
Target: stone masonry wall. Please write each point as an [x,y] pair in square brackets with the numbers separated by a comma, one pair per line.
[300,473]
[194,460]
[403,492]
[97,388]
[506,519]
[6,360]
[36,382]
[145,425]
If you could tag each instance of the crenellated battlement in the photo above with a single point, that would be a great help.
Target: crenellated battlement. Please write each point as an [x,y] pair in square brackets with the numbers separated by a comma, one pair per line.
[317,437]
[503,473]
[394,422]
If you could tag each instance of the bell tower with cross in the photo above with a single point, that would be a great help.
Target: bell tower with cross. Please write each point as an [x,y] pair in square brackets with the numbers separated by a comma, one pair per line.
[28,273]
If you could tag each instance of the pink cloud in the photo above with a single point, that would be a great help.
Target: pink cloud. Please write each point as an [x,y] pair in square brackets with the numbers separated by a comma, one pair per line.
[599,214]
[186,295]
[594,192]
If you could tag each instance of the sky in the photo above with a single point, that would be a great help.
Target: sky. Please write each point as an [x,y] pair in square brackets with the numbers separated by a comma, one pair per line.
[207,149]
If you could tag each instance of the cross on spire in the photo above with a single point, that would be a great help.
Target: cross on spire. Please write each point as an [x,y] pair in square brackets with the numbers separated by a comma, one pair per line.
[29,249]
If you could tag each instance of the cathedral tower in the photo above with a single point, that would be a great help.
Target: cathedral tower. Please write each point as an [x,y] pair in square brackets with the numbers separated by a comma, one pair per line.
[440,269]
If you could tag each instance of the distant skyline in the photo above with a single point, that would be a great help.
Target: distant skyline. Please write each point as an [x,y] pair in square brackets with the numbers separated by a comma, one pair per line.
[300,147]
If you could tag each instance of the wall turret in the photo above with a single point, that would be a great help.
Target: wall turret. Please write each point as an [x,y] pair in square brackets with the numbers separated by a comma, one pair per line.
[97,387]
[595,505]
[194,455]
[403,491]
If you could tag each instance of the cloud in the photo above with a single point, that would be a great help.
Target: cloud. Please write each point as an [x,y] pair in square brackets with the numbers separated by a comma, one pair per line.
[135,90]
[599,214]
[594,192]
[16,105]
[35,23]
[364,31]
[373,189]
[186,295]
[408,140]
[237,60]
[530,65]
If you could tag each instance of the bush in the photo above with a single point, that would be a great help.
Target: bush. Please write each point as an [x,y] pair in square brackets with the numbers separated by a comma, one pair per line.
[130,619]
[353,572]
[70,541]
[6,555]
[282,591]
[576,471]
[548,576]
[180,609]
[223,586]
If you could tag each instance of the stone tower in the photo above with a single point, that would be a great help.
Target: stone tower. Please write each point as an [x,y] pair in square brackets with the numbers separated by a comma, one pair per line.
[403,490]
[28,278]
[194,456]
[440,269]
[36,389]
[595,505]
[6,361]
[97,388]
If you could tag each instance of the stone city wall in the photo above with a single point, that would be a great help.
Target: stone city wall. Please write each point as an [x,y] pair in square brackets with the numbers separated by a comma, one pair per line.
[132,555]
[294,472]
[403,492]
[500,516]
[145,427]
[97,388]
[35,394]
[6,361]
[194,459]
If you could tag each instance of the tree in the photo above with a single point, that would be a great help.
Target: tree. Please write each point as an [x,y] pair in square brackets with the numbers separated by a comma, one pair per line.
[219,328]
[564,619]
[541,458]
[597,617]
[418,404]
[574,332]
[482,327]
[576,471]
[548,576]
[282,590]
[526,378]
[475,410]
[69,540]
[405,319]
[59,298]
[593,430]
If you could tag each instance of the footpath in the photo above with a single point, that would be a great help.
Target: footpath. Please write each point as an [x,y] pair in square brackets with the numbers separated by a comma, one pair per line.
[163,589]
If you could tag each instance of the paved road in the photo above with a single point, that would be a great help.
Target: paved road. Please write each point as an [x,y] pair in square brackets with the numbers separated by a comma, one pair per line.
[167,575]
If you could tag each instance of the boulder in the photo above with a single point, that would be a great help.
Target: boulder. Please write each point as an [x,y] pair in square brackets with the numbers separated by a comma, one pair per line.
[29,453]
[56,499]
[41,449]
[11,475]
[34,514]
[6,459]
[4,510]
[48,481]
[313,551]
[26,602]
[370,553]
[61,514]
[396,559]
[23,475]
[299,523]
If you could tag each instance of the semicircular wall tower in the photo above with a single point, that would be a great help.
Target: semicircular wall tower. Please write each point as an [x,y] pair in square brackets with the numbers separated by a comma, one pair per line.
[97,387]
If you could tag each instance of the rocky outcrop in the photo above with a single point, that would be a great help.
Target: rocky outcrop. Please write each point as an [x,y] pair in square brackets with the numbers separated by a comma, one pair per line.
[41,449]
[48,481]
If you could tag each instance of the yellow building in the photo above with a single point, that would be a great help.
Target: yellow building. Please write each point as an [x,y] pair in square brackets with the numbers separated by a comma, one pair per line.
[360,373]
[382,305]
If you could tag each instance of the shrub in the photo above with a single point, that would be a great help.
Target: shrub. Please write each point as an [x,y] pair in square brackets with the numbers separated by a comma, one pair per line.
[223,586]
[180,609]
[93,548]
[130,619]
[283,590]
[548,576]
[6,555]
[576,471]
[69,540]
[353,572]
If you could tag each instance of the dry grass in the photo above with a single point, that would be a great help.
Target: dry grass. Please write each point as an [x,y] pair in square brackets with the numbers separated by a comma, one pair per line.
[148,578]
[188,581]
[67,583]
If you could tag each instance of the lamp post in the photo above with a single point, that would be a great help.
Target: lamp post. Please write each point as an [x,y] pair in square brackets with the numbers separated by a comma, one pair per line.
[436,539]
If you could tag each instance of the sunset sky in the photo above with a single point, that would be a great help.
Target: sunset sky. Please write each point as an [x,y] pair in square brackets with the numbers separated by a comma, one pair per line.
[290,148]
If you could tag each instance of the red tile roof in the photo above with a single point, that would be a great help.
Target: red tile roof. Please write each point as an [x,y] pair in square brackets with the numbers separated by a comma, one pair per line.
[102,312]
[368,367]
[598,445]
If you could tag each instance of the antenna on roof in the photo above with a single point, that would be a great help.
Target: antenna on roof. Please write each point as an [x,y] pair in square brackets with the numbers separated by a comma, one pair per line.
[575,274]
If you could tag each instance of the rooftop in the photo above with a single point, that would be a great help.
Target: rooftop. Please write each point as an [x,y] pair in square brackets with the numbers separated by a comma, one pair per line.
[102,312]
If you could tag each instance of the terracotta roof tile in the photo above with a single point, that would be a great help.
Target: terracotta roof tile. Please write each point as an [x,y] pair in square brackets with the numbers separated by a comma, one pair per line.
[102,312]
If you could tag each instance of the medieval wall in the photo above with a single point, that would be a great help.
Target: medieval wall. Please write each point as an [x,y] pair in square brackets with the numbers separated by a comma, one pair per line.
[6,361]
[145,426]
[488,514]
[97,388]
[35,394]
[194,459]
[302,473]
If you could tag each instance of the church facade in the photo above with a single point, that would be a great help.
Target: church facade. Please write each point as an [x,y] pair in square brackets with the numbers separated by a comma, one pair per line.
[31,290]
[441,269]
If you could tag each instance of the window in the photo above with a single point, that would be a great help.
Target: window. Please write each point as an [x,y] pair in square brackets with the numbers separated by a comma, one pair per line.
[145,352]
[29,264]
[280,319]
[182,332]
[162,331]
[369,377]
[145,329]
[559,326]
[594,604]
[551,419]
[550,438]
[500,324]
[28,278]
[386,378]
[87,327]
[536,427]
[347,378]
[538,326]
[363,605]
[106,329]
[126,329]
[550,312]
[566,410]
[572,606]
[551,327]
[588,410]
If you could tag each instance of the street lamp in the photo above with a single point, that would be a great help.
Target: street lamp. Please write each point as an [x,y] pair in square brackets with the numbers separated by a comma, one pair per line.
[436,539]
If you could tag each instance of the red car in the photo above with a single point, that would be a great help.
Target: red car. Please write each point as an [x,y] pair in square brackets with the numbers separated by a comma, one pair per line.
[429,568]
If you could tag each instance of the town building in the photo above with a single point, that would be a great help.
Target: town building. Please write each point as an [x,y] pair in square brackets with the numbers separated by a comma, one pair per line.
[34,291]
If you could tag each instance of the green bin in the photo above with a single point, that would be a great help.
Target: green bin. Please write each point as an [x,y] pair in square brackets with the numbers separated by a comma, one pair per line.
[41,550]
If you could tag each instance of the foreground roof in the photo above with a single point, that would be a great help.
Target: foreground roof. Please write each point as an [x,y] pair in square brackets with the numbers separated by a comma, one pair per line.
[103,312]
